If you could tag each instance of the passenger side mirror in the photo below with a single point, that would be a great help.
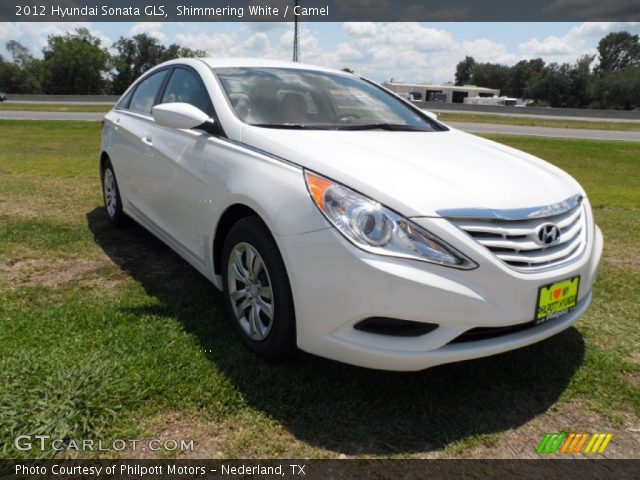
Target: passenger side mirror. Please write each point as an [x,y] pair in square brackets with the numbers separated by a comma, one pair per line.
[179,115]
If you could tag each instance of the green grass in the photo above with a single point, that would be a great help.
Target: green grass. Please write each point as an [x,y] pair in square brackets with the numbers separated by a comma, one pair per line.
[49,149]
[539,121]
[105,333]
[607,170]
[54,107]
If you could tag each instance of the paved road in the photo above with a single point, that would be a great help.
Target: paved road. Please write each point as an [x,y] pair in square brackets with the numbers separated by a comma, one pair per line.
[542,117]
[547,131]
[467,127]
[521,112]
[59,102]
[17,115]
[593,114]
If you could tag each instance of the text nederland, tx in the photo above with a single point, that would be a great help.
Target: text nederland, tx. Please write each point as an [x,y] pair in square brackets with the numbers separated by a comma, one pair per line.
[180,11]
[170,469]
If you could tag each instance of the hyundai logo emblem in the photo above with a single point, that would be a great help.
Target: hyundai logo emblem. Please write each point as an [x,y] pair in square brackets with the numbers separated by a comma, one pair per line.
[548,234]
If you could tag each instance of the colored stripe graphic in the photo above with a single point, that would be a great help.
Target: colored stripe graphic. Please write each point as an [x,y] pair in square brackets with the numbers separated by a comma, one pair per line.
[598,443]
[550,443]
[574,443]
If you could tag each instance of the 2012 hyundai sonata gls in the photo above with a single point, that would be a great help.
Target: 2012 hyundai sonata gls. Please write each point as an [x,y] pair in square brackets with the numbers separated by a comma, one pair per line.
[341,220]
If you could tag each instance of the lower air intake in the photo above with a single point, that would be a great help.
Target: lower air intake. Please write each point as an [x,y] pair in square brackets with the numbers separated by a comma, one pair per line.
[394,327]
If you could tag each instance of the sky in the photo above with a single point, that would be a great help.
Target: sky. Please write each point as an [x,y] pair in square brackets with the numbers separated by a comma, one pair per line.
[412,52]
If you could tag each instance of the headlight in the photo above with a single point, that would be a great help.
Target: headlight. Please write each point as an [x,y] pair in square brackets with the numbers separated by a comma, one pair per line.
[376,229]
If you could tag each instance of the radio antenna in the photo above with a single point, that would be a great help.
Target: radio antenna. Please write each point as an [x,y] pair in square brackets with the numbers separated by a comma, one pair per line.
[295,34]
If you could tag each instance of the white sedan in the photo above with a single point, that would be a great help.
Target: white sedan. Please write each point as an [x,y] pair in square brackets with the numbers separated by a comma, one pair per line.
[342,220]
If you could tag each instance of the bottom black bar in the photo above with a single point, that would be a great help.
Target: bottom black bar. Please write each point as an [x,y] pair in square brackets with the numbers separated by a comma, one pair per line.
[317,469]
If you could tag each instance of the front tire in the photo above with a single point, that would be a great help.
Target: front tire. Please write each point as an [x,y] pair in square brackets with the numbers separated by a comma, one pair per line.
[111,196]
[257,293]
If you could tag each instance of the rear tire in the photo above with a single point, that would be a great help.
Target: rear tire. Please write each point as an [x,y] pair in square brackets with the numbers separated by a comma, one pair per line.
[257,293]
[111,196]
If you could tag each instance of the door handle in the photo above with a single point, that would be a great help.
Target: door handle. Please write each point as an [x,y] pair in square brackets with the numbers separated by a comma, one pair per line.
[147,140]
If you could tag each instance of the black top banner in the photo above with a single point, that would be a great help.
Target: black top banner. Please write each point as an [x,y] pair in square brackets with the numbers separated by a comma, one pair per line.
[318,10]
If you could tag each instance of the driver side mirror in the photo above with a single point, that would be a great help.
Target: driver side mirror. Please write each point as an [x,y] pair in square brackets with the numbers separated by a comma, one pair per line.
[179,115]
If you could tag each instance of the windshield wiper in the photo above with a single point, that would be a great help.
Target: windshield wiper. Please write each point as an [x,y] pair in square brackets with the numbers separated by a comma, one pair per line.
[291,126]
[395,127]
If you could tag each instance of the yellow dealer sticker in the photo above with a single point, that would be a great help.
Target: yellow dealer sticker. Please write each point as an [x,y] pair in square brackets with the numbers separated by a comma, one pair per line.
[557,299]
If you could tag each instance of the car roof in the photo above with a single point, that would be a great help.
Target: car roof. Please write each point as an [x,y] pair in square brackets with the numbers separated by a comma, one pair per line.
[260,62]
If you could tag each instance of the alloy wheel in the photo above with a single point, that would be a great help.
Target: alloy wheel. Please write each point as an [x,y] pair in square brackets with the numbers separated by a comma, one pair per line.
[110,198]
[250,291]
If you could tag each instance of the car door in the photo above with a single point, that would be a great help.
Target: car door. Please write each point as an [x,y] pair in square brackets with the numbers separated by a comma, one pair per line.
[178,192]
[132,156]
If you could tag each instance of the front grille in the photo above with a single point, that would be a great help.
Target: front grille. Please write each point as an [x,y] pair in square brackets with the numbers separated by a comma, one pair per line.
[515,241]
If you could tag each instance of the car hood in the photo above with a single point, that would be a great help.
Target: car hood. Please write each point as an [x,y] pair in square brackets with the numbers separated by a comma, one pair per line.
[421,173]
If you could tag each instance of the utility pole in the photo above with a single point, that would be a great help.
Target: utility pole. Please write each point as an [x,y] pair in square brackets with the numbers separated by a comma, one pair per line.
[295,34]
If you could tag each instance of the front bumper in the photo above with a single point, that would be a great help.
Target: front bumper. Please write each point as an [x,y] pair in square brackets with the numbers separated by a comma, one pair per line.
[336,285]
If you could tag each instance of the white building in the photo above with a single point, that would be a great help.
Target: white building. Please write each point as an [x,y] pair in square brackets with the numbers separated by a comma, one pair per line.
[492,101]
[440,93]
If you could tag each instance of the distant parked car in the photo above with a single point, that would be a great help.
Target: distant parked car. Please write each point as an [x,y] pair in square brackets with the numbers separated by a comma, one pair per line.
[3,96]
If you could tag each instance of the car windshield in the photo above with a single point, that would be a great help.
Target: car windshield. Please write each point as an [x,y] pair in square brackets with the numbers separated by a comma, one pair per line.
[308,99]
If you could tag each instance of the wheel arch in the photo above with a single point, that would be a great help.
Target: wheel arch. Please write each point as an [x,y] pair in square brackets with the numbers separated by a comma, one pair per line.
[228,219]
[104,158]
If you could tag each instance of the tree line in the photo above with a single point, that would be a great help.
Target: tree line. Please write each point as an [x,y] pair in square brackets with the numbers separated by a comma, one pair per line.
[78,64]
[610,79]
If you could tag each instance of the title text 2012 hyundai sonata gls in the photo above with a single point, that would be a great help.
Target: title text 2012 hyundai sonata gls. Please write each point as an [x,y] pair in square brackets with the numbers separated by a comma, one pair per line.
[342,220]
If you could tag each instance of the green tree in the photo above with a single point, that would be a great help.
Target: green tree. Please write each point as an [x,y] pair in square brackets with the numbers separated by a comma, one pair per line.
[523,75]
[136,55]
[617,51]
[21,55]
[566,85]
[74,63]
[23,74]
[619,89]
[491,75]
[464,70]
[554,85]
[5,75]
[581,78]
